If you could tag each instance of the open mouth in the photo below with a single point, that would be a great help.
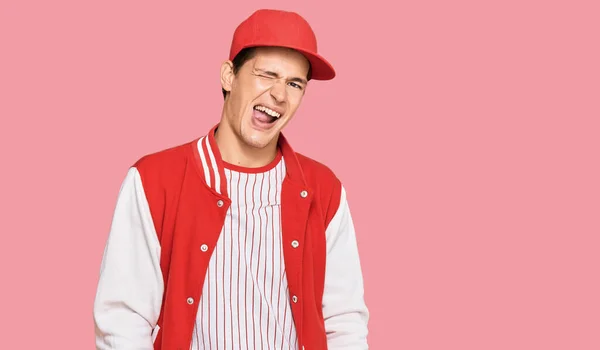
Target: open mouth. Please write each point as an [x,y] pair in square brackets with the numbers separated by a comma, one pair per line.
[266,115]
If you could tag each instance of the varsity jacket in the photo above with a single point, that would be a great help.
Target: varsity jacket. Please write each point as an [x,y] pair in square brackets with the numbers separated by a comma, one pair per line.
[169,214]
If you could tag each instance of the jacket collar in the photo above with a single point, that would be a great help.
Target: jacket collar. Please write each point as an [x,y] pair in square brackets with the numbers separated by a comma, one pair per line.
[212,170]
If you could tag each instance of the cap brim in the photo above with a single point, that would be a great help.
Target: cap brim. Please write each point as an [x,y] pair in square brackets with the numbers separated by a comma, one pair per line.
[321,69]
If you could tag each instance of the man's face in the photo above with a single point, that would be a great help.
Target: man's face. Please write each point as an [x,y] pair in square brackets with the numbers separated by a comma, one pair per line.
[265,94]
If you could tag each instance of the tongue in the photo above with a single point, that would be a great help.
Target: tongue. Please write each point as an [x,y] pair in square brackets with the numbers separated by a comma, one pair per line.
[263,117]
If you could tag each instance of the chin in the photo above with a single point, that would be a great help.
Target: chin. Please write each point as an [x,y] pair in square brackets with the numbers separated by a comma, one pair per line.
[258,138]
[257,141]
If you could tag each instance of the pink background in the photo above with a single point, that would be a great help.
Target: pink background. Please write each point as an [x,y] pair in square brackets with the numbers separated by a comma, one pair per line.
[476,200]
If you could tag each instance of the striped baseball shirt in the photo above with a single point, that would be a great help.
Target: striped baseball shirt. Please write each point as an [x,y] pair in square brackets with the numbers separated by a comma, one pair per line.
[244,303]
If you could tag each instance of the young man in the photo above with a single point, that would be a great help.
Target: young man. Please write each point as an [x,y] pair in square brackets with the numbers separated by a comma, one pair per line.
[234,240]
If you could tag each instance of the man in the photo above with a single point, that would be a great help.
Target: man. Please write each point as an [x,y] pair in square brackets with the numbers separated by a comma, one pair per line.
[234,240]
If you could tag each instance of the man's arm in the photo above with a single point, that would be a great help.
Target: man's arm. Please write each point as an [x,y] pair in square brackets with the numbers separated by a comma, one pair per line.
[130,288]
[346,315]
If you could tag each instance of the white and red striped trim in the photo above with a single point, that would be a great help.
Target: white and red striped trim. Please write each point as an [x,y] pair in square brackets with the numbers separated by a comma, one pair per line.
[209,164]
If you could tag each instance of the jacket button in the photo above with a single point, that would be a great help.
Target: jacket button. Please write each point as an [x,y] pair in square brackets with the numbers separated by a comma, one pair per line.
[204,247]
[220,203]
[295,299]
[304,194]
[295,244]
[190,301]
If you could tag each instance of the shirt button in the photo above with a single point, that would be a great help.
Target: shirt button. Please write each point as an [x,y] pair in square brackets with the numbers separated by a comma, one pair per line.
[295,244]
[304,194]
[204,247]
[190,301]
[295,299]
[220,203]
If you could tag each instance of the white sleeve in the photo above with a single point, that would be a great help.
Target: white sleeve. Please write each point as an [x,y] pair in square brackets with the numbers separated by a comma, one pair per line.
[344,310]
[130,287]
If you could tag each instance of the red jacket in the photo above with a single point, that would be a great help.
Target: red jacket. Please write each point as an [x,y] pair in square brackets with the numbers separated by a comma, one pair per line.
[174,202]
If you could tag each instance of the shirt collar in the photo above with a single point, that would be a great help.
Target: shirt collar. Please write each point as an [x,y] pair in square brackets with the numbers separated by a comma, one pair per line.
[212,170]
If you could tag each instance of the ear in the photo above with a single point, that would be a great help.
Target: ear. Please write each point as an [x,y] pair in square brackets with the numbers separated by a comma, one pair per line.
[227,75]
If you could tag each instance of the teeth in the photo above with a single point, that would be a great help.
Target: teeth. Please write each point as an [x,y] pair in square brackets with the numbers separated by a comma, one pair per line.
[269,111]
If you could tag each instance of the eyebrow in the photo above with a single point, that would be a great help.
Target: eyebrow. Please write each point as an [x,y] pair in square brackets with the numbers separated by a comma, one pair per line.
[275,75]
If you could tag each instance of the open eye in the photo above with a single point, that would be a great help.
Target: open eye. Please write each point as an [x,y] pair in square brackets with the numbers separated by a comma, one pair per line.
[297,86]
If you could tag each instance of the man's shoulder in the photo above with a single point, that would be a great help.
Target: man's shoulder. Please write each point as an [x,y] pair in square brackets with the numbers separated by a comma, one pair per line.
[315,168]
[165,167]
[318,174]
[165,158]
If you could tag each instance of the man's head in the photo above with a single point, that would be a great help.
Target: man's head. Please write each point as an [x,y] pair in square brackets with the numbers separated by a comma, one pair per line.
[245,55]
[263,92]
[273,55]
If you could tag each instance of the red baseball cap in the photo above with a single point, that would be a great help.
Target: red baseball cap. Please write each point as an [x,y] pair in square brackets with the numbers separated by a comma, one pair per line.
[268,27]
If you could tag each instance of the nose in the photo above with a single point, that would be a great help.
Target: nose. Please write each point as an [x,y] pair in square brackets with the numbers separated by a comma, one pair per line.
[278,91]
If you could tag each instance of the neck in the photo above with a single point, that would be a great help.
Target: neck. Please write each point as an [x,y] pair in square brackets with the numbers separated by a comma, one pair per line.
[234,151]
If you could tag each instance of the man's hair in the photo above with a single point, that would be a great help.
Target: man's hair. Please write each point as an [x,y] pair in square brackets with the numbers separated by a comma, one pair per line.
[247,54]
